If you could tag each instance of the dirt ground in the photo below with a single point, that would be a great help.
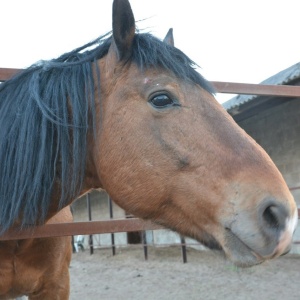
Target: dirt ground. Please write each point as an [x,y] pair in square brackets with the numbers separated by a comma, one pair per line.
[206,276]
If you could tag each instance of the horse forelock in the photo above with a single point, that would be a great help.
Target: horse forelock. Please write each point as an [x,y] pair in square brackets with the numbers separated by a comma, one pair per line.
[46,112]
[150,52]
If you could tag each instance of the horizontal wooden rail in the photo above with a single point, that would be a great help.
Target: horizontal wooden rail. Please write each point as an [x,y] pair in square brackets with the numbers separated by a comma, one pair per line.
[294,188]
[256,89]
[221,87]
[7,73]
[82,228]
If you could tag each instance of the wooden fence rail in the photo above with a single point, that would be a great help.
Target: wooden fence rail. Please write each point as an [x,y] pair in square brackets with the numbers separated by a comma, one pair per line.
[83,228]
[221,87]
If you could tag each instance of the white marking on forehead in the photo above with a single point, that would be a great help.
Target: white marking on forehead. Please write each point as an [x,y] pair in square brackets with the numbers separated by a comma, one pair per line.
[148,80]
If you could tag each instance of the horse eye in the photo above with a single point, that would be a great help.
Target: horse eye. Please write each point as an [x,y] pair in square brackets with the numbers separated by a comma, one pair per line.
[161,101]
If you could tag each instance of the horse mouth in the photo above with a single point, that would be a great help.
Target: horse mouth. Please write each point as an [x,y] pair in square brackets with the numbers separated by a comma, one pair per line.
[234,249]
[239,252]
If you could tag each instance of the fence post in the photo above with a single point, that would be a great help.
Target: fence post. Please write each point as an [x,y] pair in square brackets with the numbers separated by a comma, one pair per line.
[91,244]
[145,246]
[111,215]
[183,249]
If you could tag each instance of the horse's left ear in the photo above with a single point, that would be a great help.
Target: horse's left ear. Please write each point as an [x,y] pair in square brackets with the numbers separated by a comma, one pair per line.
[123,28]
[169,39]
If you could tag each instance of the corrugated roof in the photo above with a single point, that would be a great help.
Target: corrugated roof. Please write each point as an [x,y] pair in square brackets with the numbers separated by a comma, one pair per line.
[283,77]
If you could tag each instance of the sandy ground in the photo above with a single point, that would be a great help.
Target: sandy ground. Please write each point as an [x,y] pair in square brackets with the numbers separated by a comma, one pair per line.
[206,276]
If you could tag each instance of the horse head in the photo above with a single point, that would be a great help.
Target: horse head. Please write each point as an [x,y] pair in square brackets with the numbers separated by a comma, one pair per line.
[166,150]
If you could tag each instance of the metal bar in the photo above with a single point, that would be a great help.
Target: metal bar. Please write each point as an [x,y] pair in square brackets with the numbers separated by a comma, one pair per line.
[145,246]
[91,244]
[111,214]
[220,86]
[183,249]
[73,244]
[82,228]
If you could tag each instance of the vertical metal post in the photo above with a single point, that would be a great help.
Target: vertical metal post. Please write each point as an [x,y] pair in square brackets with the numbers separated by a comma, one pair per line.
[91,244]
[183,249]
[73,245]
[144,241]
[111,215]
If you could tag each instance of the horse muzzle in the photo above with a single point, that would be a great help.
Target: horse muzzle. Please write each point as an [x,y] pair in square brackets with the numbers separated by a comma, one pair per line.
[253,237]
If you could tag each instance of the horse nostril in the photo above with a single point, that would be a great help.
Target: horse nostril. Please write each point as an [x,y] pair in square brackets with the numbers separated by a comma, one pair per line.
[270,216]
[275,216]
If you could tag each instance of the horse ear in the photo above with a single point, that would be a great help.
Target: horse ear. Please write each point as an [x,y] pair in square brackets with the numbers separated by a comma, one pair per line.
[169,39]
[123,28]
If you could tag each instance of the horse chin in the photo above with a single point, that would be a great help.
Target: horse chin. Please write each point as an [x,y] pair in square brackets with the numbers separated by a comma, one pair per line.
[238,252]
[233,248]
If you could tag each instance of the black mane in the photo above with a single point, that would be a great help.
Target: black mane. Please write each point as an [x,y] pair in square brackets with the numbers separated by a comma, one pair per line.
[45,114]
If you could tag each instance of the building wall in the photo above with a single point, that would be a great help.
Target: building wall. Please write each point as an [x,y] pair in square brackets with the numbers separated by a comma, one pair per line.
[277,130]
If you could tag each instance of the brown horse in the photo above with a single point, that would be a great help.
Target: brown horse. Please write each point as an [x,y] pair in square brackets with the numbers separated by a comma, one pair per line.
[132,116]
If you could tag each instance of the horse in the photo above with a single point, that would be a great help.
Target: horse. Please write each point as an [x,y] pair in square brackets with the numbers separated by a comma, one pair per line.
[130,114]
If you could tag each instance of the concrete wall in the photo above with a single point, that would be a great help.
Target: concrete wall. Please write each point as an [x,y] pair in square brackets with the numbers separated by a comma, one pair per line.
[277,130]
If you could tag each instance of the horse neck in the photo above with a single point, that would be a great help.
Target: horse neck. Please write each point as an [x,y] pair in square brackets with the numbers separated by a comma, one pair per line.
[91,181]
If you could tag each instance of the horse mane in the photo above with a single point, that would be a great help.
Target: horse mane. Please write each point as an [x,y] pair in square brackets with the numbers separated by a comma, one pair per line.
[46,112]
[150,52]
